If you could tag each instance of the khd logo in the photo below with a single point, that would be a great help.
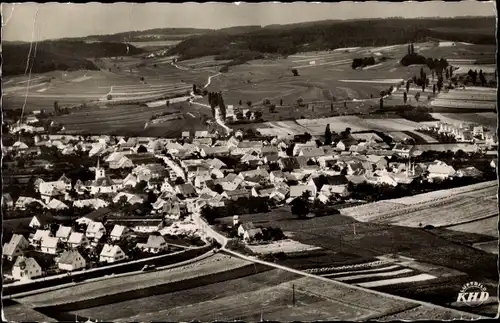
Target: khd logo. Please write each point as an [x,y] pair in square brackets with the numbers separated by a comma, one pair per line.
[473,294]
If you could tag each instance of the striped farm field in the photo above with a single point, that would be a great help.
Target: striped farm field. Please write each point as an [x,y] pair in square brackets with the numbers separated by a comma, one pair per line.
[439,208]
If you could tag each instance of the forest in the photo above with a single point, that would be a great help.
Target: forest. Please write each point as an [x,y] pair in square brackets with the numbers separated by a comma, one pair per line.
[326,35]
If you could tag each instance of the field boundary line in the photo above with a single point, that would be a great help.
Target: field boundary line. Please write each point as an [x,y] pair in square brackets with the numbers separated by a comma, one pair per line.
[369,291]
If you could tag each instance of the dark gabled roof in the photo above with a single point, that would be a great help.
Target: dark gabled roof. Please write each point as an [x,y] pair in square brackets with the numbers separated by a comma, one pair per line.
[186,189]
[248,226]
[330,180]
[290,163]
[45,219]
[142,158]
[98,214]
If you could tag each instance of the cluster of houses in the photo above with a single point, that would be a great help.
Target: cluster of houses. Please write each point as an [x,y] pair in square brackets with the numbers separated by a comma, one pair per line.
[66,242]
[465,132]
[188,175]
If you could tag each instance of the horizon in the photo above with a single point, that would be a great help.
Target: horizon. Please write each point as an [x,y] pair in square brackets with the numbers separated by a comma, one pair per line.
[45,27]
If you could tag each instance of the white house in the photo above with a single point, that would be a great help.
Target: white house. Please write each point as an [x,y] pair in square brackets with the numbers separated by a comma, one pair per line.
[118,232]
[63,233]
[39,235]
[26,268]
[77,239]
[15,247]
[23,201]
[440,170]
[154,244]
[111,254]
[71,260]
[56,205]
[248,231]
[95,230]
[49,245]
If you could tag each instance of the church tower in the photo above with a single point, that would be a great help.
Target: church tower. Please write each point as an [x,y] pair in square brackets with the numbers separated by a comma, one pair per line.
[99,172]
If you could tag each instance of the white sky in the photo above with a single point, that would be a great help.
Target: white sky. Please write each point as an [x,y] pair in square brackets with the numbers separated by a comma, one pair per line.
[58,20]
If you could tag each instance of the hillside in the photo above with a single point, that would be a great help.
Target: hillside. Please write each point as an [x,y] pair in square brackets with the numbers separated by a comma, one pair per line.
[59,55]
[324,35]
[147,35]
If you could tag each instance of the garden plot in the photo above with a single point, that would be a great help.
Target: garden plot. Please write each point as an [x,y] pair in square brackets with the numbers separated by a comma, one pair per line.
[463,104]
[286,246]
[488,119]
[490,247]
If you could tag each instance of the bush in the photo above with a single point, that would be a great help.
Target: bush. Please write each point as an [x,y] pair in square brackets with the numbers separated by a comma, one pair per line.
[109,97]
[413,59]
[362,62]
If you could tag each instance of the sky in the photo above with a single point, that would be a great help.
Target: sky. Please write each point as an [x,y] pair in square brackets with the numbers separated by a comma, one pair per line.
[59,20]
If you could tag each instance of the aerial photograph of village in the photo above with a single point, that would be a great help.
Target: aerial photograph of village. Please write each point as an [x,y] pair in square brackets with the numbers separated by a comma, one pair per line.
[252,162]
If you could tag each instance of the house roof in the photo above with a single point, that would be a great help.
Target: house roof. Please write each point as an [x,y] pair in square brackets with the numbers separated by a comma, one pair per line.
[235,193]
[69,257]
[186,189]
[329,180]
[76,237]
[49,242]
[298,190]
[10,247]
[110,250]
[312,152]
[289,163]
[95,227]
[25,262]
[63,232]
[98,214]
[156,241]
[56,204]
[41,234]
[118,230]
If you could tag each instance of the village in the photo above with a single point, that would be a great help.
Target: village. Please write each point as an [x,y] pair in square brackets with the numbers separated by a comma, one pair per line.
[78,202]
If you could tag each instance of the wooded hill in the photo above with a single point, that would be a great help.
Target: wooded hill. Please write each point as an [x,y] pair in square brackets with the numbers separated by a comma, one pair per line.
[325,35]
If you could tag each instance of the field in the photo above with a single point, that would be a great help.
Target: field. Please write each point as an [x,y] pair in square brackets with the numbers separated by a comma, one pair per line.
[286,246]
[439,208]
[264,295]
[90,290]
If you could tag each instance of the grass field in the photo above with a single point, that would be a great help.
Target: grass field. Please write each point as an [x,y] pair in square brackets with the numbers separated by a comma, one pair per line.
[266,296]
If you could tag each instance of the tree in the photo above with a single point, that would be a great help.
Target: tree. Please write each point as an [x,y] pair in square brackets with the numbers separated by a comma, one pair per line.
[331,106]
[194,88]
[281,100]
[142,149]
[417,96]
[142,79]
[482,79]
[240,103]
[300,101]
[405,97]
[272,108]
[381,103]
[219,189]
[139,187]
[179,181]
[249,103]
[407,86]
[328,135]
[295,72]
[239,115]
[56,107]
[248,114]
[258,115]
[300,207]
[109,97]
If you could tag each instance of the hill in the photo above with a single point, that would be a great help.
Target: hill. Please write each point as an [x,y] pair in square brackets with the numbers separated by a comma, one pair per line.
[324,35]
[59,55]
[147,35]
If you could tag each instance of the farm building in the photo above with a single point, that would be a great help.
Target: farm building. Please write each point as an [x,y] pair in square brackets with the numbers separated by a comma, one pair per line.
[248,231]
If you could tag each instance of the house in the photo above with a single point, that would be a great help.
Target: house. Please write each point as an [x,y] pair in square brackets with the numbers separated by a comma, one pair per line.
[346,143]
[248,231]
[155,244]
[49,190]
[298,190]
[185,134]
[378,161]
[36,239]
[63,233]
[201,134]
[97,215]
[128,197]
[130,180]
[288,163]
[403,150]
[276,176]
[439,169]
[111,254]
[49,245]
[94,203]
[139,224]
[186,190]
[236,194]
[337,183]
[26,268]
[478,131]
[42,221]
[77,239]
[118,232]
[95,230]
[172,210]
[71,260]
[469,172]
[494,163]
[311,152]
[214,151]
[56,205]
[7,201]
[15,247]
